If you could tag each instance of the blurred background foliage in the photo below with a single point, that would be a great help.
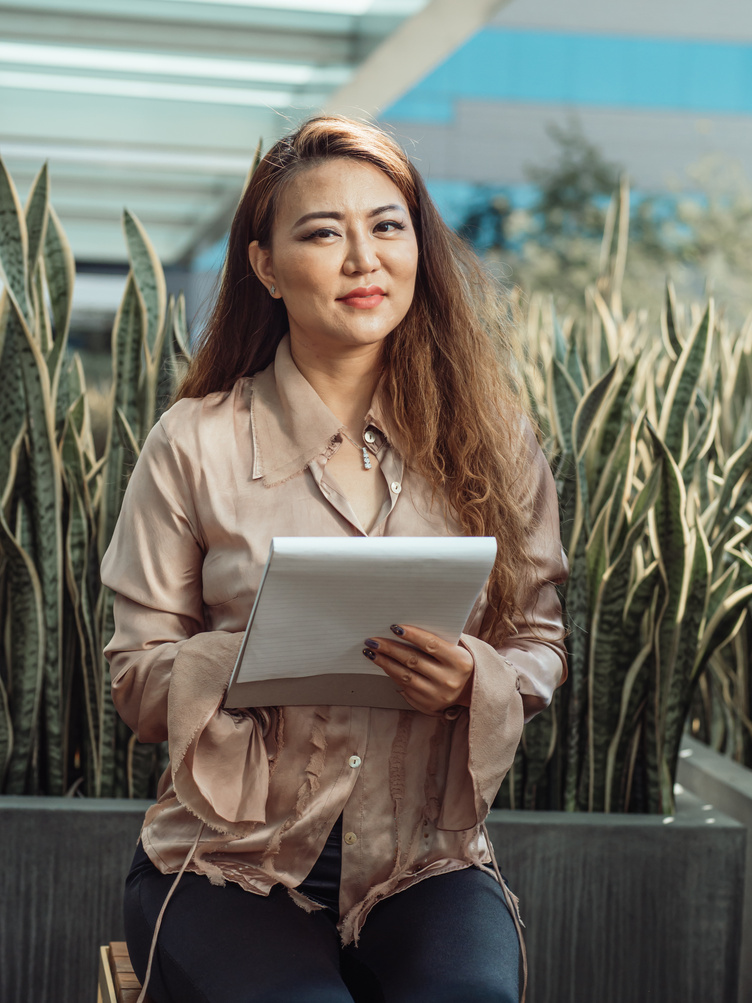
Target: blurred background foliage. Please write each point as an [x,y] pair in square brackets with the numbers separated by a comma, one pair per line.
[699,235]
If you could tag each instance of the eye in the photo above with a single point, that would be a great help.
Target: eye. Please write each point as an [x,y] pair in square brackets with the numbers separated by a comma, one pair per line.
[393,225]
[323,232]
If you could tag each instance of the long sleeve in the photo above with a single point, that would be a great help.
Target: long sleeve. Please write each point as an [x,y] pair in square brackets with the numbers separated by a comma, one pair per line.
[153,564]
[537,650]
[516,679]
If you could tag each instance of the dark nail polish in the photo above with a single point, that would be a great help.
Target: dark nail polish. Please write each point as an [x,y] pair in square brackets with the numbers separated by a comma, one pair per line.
[371,643]
[396,629]
[369,654]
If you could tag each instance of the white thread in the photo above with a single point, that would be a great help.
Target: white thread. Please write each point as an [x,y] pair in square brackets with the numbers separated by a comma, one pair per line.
[173,886]
[510,906]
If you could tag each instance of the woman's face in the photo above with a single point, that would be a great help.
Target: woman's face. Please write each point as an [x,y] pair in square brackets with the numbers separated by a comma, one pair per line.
[343,255]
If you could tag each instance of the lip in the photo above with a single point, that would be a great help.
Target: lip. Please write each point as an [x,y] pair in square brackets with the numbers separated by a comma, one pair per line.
[364,297]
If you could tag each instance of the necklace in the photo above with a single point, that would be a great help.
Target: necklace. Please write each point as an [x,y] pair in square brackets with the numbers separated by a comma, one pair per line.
[366,457]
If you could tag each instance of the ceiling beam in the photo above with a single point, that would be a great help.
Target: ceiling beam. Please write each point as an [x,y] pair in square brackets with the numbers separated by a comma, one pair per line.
[415,48]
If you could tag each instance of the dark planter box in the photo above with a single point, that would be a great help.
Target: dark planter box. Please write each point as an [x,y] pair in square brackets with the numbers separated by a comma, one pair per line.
[627,908]
[619,909]
[62,866]
[725,785]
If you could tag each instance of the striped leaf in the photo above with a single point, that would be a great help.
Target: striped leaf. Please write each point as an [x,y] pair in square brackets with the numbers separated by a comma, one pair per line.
[180,327]
[577,612]
[682,387]
[149,277]
[6,729]
[563,399]
[736,492]
[12,405]
[36,213]
[690,619]
[45,508]
[610,655]
[14,246]
[671,337]
[60,274]
[27,653]
[127,336]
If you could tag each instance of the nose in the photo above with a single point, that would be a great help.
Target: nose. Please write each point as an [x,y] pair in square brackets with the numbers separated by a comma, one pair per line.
[361,256]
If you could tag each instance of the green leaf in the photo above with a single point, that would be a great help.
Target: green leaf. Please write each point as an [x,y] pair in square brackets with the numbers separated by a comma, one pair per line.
[616,416]
[60,274]
[127,335]
[125,433]
[46,506]
[180,327]
[12,402]
[14,246]
[563,400]
[36,214]
[612,650]
[27,652]
[689,623]
[682,387]
[575,369]
[674,548]
[149,277]
[668,321]
[6,733]
[589,407]
[736,491]
[560,342]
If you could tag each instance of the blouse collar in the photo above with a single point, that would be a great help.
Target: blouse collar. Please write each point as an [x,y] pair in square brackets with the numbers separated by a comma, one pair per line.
[290,424]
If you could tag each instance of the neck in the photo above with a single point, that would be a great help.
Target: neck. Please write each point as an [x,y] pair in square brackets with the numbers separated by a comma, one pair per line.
[345,379]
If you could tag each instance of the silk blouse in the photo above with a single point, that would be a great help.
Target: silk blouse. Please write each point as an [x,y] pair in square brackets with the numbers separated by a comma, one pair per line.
[258,791]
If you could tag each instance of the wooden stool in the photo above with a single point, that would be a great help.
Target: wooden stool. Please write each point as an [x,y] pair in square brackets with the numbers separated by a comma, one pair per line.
[117,980]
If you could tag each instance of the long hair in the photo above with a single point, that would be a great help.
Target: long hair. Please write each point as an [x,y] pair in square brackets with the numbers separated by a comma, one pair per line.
[447,367]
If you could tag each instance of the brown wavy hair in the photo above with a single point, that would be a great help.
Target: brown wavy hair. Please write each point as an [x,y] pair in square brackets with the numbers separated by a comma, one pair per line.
[447,367]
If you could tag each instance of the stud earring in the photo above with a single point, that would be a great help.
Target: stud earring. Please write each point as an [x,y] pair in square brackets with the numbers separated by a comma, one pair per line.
[273,290]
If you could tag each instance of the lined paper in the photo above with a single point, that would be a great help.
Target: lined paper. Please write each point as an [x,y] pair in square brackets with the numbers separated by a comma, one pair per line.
[320,597]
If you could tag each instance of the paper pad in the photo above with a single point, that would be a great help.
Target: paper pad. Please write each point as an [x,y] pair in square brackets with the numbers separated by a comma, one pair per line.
[321,597]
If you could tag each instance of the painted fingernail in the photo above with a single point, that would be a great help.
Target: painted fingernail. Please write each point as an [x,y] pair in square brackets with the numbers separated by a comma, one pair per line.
[371,643]
[369,654]
[396,629]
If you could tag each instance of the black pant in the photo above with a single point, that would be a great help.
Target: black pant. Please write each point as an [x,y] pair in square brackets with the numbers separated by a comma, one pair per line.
[448,938]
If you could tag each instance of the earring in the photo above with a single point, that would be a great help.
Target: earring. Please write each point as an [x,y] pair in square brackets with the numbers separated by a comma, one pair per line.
[273,290]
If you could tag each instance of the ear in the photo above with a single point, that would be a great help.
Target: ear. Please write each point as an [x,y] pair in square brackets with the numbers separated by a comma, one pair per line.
[261,263]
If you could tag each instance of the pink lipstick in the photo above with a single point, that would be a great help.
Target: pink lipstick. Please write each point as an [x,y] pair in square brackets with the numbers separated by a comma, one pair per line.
[364,297]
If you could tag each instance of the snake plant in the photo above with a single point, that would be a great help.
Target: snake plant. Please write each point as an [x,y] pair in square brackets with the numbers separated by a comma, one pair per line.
[649,430]
[59,501]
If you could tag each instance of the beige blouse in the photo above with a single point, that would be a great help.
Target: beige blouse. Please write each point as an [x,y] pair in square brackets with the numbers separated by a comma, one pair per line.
[261,788]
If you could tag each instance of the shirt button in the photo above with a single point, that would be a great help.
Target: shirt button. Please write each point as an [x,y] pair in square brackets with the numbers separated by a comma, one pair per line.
[350,838]
[396,487]
[355,761]
[369,436]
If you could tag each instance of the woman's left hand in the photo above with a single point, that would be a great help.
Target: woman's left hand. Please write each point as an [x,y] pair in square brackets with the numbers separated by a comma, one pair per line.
[435,676]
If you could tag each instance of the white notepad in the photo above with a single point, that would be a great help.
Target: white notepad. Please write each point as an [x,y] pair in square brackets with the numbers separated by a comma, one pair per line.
[321,597]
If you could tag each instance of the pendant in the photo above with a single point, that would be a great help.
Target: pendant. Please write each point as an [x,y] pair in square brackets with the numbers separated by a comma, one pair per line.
[366,459]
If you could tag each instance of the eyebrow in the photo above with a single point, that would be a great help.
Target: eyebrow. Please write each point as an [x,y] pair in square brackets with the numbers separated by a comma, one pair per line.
[332,214]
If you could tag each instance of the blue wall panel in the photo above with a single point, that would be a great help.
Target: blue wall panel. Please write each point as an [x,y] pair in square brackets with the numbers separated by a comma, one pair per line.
[599,70]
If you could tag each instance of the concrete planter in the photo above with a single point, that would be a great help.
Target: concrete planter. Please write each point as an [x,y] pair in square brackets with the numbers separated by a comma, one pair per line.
[619,909]
[627,908]
[726,785]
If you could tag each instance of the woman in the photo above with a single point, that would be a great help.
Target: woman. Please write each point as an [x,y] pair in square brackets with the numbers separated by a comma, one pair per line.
[353,380]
